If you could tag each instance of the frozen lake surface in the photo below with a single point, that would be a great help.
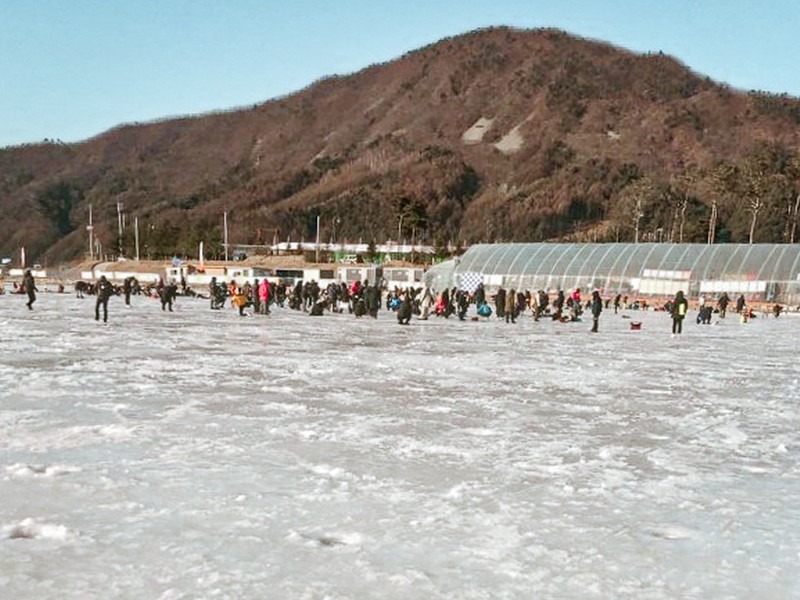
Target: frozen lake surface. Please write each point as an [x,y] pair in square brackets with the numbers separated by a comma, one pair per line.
[197,454]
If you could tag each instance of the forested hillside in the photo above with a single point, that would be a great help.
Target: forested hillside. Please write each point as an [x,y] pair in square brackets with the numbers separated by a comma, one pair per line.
[495,135]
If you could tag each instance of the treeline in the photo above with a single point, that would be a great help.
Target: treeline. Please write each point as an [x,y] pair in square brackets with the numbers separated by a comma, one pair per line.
[751,201]
[441,199]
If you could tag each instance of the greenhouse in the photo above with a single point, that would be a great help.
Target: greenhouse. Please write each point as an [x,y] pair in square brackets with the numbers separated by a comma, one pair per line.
[765,272]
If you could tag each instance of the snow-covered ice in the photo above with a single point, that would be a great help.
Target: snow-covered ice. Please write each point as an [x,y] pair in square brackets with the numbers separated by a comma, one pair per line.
[197,454]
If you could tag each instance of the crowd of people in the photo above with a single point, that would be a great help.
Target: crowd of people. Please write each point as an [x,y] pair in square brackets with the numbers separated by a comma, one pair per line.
[360,298]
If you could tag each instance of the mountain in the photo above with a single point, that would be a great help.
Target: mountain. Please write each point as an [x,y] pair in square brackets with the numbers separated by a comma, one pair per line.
[498,134]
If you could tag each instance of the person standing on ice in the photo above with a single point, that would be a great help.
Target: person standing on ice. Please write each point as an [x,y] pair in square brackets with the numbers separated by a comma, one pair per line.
[263,296]
[254,298]
[104,292]
[462,304]
[167,295]
[597,308]
[740,304]
[480,295]
[510,307]
[542,304]
[29,285]
[679,309]
[426,303]
[127,289]
[723,304]
[559,303]
[500,303]
[373,299]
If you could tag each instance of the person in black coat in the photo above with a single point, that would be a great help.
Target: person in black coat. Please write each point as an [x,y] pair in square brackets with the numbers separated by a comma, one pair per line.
[373,300]
[104,291]
[167,295]
[500,303]
[127,289]
[740,304]
[405,310]
[480,295]
[213,294]
[597,308]
[723,302]
[462,304]
[680,306]
[29,285]
[359,307]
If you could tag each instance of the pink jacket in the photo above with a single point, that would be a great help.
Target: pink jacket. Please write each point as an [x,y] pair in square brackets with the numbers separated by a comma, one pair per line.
[263,291]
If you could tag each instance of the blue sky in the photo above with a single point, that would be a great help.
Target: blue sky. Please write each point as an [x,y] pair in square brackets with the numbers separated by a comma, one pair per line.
[71,69]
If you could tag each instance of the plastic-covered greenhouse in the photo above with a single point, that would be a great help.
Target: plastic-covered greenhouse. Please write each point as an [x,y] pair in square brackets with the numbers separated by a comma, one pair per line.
[768,272]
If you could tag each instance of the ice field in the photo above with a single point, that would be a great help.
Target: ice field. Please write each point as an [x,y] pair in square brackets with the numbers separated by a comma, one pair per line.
[197,454]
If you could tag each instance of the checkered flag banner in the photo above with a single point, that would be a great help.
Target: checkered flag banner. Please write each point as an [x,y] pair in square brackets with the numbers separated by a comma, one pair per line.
[469,281]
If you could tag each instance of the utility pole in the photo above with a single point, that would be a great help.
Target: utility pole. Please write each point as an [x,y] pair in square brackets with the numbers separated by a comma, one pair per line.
[225,233]
[136,232]
[316,246]
[119,223]
[90,229]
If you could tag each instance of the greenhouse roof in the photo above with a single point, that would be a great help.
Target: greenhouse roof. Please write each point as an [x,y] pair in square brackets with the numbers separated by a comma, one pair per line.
[650,268]
[773,262]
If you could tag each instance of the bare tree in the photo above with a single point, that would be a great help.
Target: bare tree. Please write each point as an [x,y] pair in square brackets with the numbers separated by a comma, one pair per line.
[634,200]
[793,174]
[765,179]
[638,214]
[755,186]
[721,183]
[683,185]
[712,223]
